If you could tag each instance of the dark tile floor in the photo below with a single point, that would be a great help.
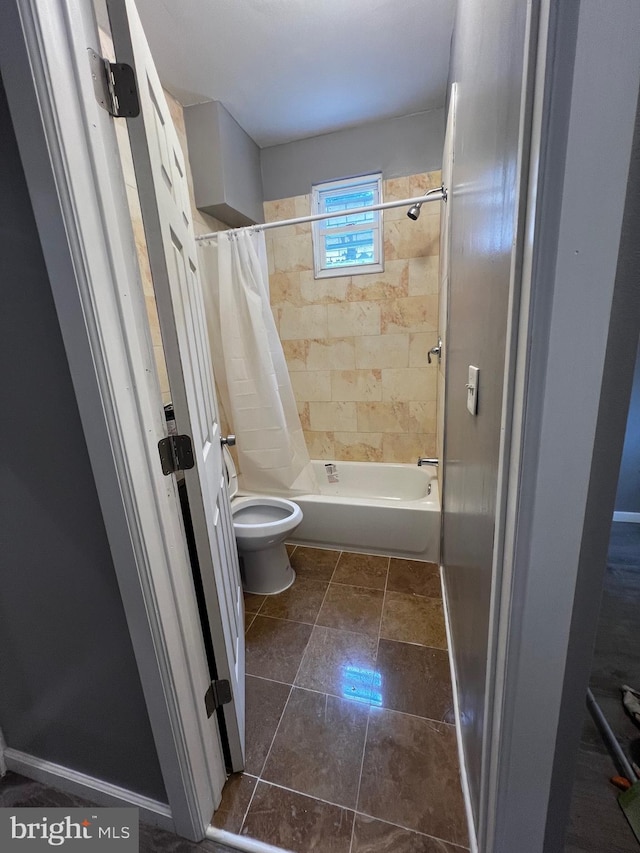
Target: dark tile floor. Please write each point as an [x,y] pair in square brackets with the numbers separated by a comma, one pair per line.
[596,823]
[16,791]
[351,746]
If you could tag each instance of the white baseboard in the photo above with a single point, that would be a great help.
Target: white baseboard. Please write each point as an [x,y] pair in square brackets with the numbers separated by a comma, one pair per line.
[96,790]
[633,517]
[241,842]
[464,776]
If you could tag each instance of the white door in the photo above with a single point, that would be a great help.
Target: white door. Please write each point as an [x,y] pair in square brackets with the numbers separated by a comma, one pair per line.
[164,198]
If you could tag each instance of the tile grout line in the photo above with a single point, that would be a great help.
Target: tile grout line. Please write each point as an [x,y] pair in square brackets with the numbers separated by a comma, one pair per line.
[355,701]
[249,804]
[364,814]
[324,598]
[341,583]
[260,777]
[283,619]
[344,630]
[417,832]
[366,733]
[293,684]
[264,678]
[364,749]
[326,592]
[275,734]
[384,601]
[358,586]
[284,708]
[264,763]
[317,799]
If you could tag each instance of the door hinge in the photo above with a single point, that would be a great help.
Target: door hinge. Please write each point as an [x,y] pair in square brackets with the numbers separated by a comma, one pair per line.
[114,84]
[176,453]
[218,694]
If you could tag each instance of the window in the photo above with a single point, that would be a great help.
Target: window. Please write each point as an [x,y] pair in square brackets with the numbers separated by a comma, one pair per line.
[349,243]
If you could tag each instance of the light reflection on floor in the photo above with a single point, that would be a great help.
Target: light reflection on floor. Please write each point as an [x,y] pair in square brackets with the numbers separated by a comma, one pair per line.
[362,685]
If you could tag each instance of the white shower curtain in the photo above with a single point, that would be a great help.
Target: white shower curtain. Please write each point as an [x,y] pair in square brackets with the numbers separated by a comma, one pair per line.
[249,365]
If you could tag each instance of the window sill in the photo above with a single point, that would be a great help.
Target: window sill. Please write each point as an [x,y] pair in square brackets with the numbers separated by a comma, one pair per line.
[356,269]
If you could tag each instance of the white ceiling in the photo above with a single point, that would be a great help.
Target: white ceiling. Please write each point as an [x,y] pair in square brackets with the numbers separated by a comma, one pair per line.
[288,69]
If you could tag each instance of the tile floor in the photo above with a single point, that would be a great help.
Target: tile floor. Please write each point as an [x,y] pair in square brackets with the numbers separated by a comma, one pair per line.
[351,746]
[596,821]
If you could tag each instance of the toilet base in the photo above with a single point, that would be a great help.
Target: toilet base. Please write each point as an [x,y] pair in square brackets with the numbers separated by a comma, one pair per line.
[268,571]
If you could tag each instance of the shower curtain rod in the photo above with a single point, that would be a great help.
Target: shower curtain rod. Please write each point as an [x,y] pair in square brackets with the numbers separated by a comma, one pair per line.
[433,195]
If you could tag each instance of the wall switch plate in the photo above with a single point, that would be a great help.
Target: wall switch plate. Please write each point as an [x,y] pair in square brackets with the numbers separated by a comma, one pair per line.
[472,390]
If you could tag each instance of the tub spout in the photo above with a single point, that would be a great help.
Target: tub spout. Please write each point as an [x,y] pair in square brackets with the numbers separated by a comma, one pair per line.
[427,460]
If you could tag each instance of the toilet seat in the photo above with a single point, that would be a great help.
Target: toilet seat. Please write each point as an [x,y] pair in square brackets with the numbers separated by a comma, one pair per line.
[255,517]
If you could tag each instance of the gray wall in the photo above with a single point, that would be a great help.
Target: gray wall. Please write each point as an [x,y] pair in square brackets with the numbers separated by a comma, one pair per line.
[225,164]
[628,495]
[69,686]
[487,64]
[395,147]
[584,320]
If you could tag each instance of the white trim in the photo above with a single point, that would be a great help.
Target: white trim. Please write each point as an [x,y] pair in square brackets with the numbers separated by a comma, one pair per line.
[71,162]
[241,842]
[630,517]
[464,777]
[516,355]
[95,790]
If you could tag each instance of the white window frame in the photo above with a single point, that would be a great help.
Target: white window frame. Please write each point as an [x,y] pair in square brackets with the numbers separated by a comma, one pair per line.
[319,229]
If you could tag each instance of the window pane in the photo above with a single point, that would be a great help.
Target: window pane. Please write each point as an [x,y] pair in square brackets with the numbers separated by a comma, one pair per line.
[347,243]
[337,202]
[344,200]
[350,249]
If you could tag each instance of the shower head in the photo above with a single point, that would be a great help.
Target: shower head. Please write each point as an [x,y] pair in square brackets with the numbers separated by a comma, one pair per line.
[414,210]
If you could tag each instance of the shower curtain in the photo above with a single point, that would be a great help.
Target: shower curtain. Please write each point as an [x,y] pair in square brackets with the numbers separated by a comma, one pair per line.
[249,365]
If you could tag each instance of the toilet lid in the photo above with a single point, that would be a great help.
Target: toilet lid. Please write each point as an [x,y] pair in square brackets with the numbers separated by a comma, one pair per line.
[232,474]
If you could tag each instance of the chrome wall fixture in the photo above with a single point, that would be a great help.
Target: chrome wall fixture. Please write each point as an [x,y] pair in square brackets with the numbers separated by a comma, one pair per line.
[436,350]
[414,210]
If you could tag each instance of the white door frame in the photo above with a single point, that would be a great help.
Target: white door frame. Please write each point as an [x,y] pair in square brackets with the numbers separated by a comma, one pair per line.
[79,201]
[558,472]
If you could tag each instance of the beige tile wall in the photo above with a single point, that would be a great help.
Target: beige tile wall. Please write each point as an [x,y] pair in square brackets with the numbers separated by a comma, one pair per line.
[356,346]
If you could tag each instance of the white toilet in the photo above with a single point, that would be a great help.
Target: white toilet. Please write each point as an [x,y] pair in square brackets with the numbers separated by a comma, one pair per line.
[261,524]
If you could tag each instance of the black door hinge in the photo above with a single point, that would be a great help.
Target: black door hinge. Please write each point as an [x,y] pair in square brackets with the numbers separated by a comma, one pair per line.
[114,84]
[218,694]
[176,453]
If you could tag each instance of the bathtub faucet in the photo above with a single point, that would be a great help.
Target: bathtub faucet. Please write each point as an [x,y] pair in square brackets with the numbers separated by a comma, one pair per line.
[427,460]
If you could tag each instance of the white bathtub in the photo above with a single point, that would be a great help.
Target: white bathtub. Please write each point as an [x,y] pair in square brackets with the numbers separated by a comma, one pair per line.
[373,508]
